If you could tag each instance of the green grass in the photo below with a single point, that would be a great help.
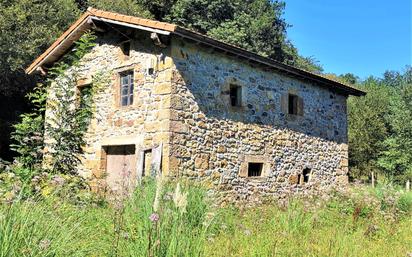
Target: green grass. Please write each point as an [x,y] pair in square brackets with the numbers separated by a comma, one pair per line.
[366,222]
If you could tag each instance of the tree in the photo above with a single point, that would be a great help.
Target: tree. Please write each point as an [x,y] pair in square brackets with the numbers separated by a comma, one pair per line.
[128,7]
[27,28]
[368,127]
[396,159]
[255,25]
[28,134]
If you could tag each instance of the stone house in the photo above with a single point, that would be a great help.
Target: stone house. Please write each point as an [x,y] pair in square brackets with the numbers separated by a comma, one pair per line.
[185,105]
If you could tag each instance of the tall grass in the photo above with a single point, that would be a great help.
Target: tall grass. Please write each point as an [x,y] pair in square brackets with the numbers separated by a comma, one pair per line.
[43,229]
[162,220]
[178,230]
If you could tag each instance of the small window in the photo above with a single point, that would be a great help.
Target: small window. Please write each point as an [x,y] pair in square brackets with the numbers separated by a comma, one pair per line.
[126,88]
[126,48]
[235,95]
[85,94]
[293,104]
[255,169]
[306,175]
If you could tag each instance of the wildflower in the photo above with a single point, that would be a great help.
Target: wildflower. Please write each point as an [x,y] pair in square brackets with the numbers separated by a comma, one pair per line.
[44,244]
[154,217]
[58,181]
[125,235]
[159,188]
[208,219]
[180,199]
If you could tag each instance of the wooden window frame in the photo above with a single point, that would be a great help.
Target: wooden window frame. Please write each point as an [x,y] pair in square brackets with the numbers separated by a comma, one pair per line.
[129,89]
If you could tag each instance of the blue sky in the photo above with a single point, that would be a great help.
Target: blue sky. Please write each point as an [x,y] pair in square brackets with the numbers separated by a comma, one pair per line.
[364,37]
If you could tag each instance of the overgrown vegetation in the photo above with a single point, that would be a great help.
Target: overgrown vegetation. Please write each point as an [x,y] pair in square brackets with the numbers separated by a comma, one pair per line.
[69,119]
[380,128]
[168,219]
[36,171]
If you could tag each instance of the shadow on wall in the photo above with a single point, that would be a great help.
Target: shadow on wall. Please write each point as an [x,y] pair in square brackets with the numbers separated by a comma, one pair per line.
[226,89]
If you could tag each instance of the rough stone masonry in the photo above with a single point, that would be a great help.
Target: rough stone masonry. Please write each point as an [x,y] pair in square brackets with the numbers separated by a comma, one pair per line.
[243,129]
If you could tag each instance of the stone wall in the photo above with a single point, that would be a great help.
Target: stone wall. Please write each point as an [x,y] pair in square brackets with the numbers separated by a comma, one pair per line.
[185,106]
[215,141]
[146,122]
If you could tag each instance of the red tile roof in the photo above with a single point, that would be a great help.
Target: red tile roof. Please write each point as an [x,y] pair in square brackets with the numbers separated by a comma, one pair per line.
[59,47]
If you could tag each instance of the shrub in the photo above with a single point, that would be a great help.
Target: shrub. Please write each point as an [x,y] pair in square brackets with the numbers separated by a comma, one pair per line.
[405,202]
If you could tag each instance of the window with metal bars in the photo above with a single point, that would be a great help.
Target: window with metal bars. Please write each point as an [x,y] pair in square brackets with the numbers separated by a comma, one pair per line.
[126,88]
[255,169]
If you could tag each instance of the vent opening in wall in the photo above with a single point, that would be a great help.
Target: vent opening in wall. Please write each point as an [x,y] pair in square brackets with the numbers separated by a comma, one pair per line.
[125,46]
[255,169]
[306,175]
[235,95]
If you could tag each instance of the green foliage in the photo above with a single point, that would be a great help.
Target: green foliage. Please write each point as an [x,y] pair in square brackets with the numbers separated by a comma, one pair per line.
[396,158]
[358,222]
[128,7]
[180,229]
[28,134]
[29,26]
[257,26]
[68,119]
[368,127]
[380,127]
[43,229]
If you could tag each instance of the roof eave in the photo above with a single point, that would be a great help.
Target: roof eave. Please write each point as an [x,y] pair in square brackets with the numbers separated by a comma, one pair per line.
[63,43]
[268,62]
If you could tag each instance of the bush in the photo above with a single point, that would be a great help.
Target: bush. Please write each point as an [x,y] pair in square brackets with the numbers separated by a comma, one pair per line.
[405,202]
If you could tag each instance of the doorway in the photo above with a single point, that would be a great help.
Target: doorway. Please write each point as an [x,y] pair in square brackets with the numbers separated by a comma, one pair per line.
[121,168]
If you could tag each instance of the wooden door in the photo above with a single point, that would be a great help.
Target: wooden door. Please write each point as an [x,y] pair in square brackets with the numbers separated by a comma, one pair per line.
[121,169]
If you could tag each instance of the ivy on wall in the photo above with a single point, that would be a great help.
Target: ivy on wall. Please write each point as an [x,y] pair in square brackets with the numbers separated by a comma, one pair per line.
[58,133]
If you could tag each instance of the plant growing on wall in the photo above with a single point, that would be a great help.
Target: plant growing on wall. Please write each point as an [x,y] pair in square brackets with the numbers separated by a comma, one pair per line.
[68,115]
